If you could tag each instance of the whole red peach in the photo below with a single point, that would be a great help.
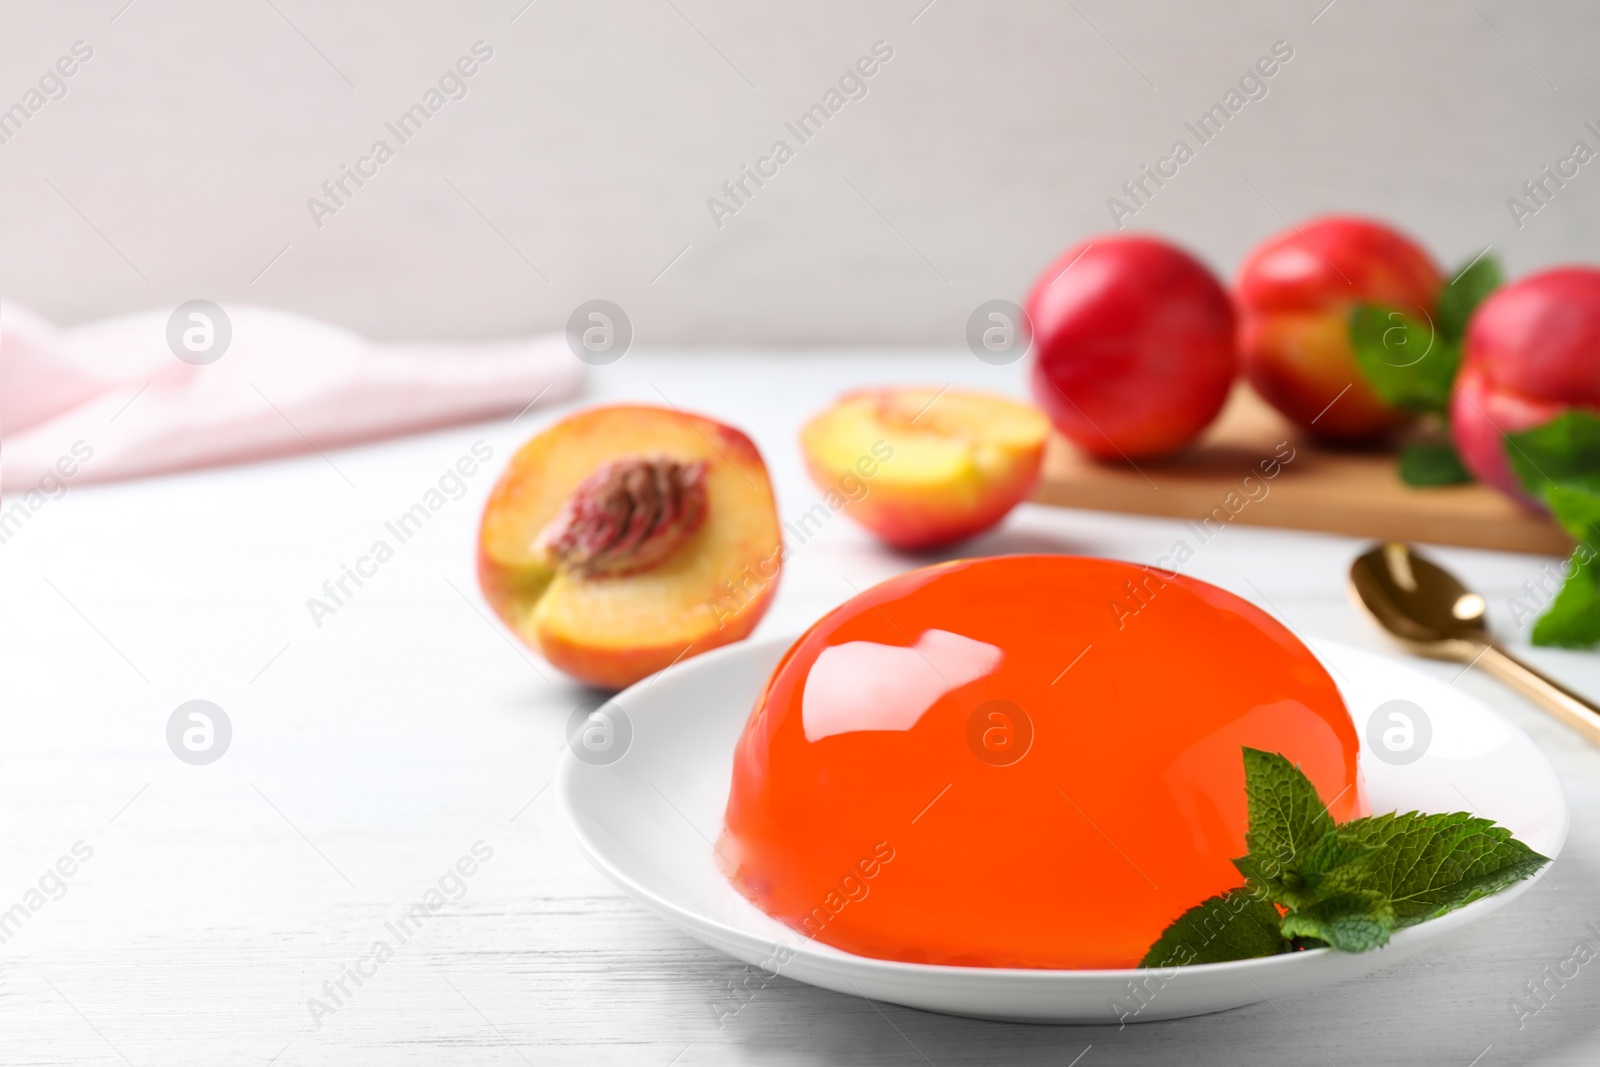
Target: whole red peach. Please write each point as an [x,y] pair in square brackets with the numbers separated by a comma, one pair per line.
[1532,350]
[1296,291]
[1134,346]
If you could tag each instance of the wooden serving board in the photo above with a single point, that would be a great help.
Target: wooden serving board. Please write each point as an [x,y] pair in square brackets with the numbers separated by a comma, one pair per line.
[1357,493]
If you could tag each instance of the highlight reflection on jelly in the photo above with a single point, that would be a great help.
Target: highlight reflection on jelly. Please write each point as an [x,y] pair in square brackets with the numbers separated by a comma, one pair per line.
[986,763]
[864,685]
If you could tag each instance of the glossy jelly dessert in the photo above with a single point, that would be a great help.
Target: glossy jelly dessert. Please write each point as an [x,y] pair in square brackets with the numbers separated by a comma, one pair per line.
[1027,761]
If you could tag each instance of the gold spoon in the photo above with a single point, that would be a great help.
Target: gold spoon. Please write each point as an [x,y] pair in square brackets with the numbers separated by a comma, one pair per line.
[1425,608]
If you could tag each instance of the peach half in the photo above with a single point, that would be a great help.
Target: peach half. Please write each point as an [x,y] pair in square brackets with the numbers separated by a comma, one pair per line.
[924,467]
[625,538]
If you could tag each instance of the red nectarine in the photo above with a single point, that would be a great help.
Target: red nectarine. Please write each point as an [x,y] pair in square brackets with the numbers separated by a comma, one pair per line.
[1134,346]
[1296,292]
[1532,350]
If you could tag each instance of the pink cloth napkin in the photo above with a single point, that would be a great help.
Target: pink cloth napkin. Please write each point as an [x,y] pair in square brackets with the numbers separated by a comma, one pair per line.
[110,400]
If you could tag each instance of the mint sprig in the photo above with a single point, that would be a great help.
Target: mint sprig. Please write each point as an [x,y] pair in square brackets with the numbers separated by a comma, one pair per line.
[1559,463]
[1311,882]
[1409,358]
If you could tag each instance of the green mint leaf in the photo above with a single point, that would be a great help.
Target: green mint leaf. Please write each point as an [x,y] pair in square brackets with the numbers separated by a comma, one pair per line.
[1356,921]
[1334,864]
[1432,463]
[1408,362]
[1286,819]
[1459,299]
[1339,863]
[1573,618]
[1238,925]
[1559,462]
[1577,509]
[1431,864]
[1564,452]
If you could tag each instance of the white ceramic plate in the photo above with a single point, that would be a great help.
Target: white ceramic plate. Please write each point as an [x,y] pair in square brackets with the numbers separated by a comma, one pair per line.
[648,820]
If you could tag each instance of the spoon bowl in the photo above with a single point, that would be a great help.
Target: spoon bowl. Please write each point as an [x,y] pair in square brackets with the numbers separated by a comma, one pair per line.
[1419,603]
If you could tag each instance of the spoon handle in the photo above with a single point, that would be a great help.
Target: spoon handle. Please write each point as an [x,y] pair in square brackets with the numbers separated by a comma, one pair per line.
[1580,714]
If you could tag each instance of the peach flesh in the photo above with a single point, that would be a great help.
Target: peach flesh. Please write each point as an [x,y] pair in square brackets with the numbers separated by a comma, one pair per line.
[932,465]
[626,538]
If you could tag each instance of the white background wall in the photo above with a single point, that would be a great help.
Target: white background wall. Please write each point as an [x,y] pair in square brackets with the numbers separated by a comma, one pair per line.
[179,163]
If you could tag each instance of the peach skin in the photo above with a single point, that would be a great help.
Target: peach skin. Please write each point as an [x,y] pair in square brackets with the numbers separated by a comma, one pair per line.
[1296,291]
[1532,351]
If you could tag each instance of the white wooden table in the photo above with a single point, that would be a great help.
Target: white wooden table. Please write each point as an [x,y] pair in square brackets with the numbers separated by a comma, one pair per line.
[371,754]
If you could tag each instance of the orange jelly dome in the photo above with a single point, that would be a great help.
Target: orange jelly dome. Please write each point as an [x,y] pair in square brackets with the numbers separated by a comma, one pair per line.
[1027,761]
